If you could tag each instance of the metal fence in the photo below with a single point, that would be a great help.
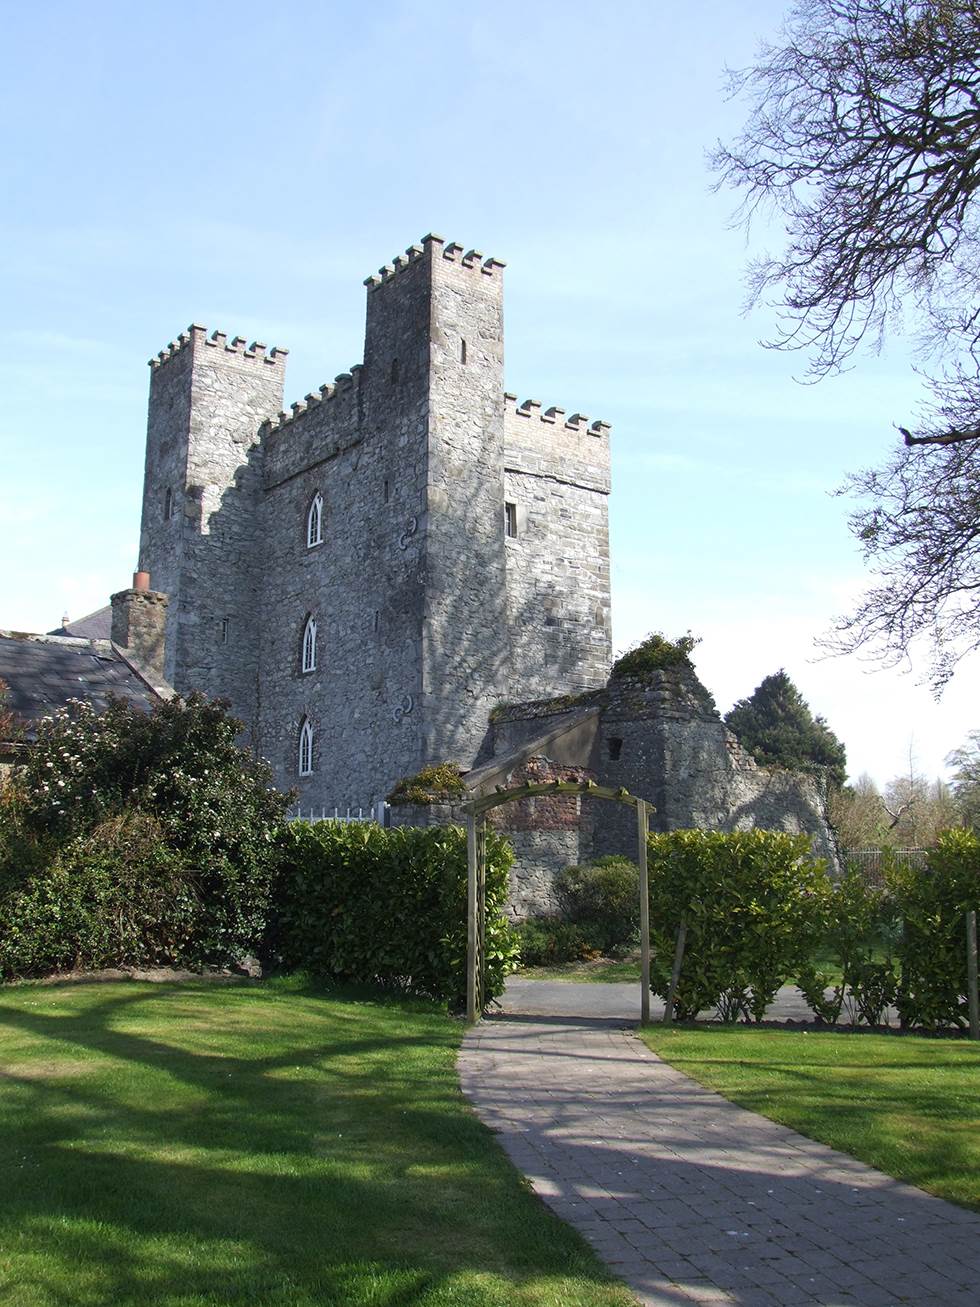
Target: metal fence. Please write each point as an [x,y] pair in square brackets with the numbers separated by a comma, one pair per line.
[872,862]
[377,812]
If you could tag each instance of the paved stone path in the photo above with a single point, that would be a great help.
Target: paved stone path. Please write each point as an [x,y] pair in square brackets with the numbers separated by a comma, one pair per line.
[618,999]
[692,1199]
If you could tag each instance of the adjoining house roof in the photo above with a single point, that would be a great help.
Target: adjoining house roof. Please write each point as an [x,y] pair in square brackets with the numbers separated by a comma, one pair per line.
[96,626]
[44,671]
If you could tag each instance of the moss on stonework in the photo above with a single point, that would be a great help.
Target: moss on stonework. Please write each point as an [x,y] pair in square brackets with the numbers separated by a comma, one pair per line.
[441,783]
[541,707]
[654,654]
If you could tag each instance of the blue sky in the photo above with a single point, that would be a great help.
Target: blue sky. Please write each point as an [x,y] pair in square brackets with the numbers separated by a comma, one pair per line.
[246,166]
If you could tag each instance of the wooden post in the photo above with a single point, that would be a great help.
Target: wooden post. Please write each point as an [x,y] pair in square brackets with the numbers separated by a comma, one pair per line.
[675,975]
[472,961]
[972,997]
[641,835]
[481,915]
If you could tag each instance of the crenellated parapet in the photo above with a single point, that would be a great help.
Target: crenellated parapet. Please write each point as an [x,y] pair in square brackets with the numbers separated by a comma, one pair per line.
[343,382]
[196,337]
[548,442]
[433,247]
[555,417]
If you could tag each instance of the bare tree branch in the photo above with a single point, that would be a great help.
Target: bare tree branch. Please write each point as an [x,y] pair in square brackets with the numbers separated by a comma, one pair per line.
[864,135]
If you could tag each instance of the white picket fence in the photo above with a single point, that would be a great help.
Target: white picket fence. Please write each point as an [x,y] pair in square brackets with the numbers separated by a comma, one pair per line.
[377,812]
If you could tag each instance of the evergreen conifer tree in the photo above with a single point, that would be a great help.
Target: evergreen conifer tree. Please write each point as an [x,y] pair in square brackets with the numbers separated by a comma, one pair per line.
[776,726]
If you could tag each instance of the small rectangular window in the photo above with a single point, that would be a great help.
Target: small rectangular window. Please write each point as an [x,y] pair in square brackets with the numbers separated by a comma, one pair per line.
[224,630]
[510,520]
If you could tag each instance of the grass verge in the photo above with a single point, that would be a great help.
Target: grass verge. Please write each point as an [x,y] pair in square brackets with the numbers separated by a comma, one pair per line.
[194,1145]
[601,971]
[904,1104]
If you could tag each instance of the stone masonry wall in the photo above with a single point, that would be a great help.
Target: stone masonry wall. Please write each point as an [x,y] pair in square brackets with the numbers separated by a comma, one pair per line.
[548,832]
[464,658]
[208,399]
[665,742]
[426,618]
[360,445]
[558,599]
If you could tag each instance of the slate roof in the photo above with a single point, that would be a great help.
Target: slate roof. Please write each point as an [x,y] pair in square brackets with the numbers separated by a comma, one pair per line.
[44,671]
[96,626]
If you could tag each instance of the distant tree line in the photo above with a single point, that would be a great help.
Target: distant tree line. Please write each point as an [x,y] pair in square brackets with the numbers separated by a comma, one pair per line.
[776,726]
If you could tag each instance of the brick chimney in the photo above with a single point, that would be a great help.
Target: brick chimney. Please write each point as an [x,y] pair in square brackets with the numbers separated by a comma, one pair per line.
[139,622]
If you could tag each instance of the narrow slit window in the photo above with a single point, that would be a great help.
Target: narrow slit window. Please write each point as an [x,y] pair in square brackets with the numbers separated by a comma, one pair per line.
[224,630]
[462,351]
[314,521]
[394,371]
[168,504]
[510,520]
[387,490]
[306,748]
[309,645]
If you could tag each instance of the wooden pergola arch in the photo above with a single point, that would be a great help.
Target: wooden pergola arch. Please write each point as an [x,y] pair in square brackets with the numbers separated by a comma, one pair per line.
[476,859]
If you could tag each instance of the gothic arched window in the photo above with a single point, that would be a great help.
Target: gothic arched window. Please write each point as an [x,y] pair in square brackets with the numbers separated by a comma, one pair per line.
[314,521]
[309,645]
[306,748]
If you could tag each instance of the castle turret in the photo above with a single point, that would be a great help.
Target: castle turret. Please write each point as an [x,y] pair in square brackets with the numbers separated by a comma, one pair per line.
[208,398]
[435,334]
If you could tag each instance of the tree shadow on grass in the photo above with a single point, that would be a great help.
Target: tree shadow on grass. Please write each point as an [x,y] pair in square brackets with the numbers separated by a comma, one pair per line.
[236,1151]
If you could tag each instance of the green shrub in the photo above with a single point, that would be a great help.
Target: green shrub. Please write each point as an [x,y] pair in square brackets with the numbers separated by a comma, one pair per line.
[549,941]
[357,902]
[602,899]
[858,933]
[115,897]
[441,783]
[933,903]
[754,903]
[654,654]
[90,776]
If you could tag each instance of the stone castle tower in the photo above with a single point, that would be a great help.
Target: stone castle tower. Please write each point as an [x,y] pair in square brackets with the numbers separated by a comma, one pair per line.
[366,576]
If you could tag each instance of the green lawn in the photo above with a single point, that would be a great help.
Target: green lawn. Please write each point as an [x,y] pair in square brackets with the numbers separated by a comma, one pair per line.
[266,1145]
[907,1105]
[607,970]
[603,970]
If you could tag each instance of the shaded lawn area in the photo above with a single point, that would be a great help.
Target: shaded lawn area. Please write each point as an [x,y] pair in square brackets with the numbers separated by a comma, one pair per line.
[601,971]
[907,1105]
[610,970]
[268,1145]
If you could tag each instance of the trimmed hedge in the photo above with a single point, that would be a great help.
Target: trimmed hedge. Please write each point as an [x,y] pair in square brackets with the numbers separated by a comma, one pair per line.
[933,904]
[387,907]
[753,901]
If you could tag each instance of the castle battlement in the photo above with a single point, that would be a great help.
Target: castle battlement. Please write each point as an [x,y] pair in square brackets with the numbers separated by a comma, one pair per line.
[342,382]
[554,416]
[432,245]
[196,335]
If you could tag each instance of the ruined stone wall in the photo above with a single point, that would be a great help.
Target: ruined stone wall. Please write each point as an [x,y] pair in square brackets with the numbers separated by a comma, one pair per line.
[558,599]
[548,832]
[664,741]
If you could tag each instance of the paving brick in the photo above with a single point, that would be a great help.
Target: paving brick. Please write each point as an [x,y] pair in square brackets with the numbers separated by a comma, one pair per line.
[692,1199]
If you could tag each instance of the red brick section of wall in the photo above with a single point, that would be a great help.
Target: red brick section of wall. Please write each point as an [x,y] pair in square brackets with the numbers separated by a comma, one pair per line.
[545,811]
